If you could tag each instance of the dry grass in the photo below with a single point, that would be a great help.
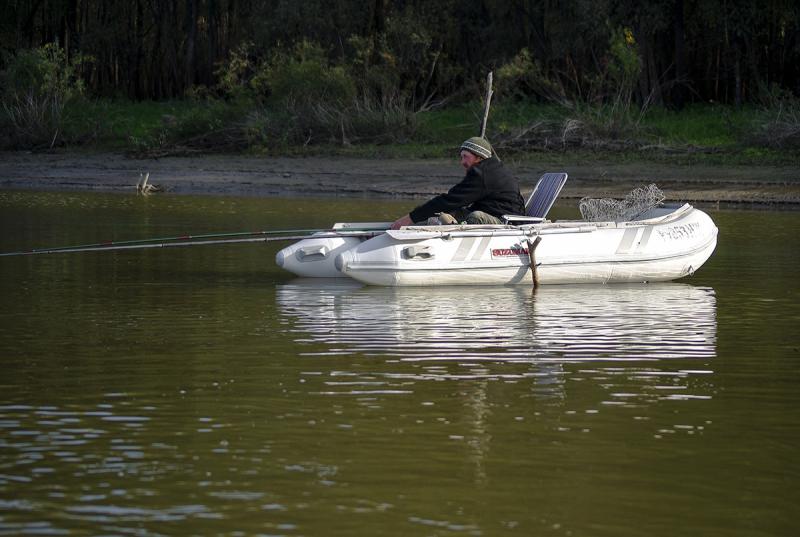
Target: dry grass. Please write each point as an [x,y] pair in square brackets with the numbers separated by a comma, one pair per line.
[562,135]
[35,120]
[778,128]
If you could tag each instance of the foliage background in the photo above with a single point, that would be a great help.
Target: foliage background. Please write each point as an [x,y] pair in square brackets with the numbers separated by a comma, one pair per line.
[724,50]
[300,73]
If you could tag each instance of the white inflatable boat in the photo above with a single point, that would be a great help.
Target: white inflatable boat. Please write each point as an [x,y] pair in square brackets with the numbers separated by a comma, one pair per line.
[663,243]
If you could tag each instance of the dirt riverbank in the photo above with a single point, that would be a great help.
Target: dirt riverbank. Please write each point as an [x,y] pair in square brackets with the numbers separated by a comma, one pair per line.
[373,178]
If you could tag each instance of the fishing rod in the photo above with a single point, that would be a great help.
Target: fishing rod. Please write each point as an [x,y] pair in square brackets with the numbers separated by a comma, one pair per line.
[206,239]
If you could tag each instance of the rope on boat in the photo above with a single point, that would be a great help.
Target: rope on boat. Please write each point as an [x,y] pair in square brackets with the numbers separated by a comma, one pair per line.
[205,239]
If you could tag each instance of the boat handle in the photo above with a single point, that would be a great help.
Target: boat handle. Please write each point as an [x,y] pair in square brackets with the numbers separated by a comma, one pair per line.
[421,252]
[316,251]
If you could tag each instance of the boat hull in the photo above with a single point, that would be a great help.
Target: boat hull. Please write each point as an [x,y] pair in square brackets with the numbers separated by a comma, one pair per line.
[665,245]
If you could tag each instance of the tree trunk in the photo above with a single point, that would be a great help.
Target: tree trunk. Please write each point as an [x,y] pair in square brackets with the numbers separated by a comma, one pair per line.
[679,92]
[191,38]
[737,76]
[649,84]
[68,27]
[212,50]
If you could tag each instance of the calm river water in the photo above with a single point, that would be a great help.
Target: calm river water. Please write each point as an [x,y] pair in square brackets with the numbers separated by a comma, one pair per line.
[203,391]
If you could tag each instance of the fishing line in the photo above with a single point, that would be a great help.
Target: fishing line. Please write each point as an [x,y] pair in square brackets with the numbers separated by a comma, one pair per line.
[204,239]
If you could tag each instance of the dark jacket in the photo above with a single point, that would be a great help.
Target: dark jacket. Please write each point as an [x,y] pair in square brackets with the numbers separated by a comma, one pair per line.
[487,187]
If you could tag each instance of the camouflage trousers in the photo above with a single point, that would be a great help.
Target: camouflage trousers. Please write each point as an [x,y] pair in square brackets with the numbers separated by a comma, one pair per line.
[463,216]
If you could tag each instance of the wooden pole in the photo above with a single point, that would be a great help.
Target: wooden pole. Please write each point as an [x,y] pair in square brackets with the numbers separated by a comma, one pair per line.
[532,244]
[487,103]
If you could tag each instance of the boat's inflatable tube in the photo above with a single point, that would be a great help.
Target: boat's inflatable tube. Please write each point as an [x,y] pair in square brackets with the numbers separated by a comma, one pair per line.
[314,257]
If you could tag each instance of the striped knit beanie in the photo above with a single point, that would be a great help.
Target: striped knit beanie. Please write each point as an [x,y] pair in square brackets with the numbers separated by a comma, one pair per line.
[478,146]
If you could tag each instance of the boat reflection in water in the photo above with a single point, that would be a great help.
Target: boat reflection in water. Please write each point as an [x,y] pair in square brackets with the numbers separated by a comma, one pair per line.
[618,346]
[501,332]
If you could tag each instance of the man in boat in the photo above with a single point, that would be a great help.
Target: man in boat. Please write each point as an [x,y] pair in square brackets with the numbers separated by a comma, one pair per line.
[487,192]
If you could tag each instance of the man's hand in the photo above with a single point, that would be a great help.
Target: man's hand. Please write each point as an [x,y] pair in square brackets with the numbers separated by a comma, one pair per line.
[402,221]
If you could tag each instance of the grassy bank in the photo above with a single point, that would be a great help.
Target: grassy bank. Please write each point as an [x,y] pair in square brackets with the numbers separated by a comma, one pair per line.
[701,133]
[300,102]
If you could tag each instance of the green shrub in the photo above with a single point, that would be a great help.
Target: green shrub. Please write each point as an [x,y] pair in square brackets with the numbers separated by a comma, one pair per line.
[308,101]
[234,75]
[523,76]
[302,77]
[623,67]
[402,64]
[37,87]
